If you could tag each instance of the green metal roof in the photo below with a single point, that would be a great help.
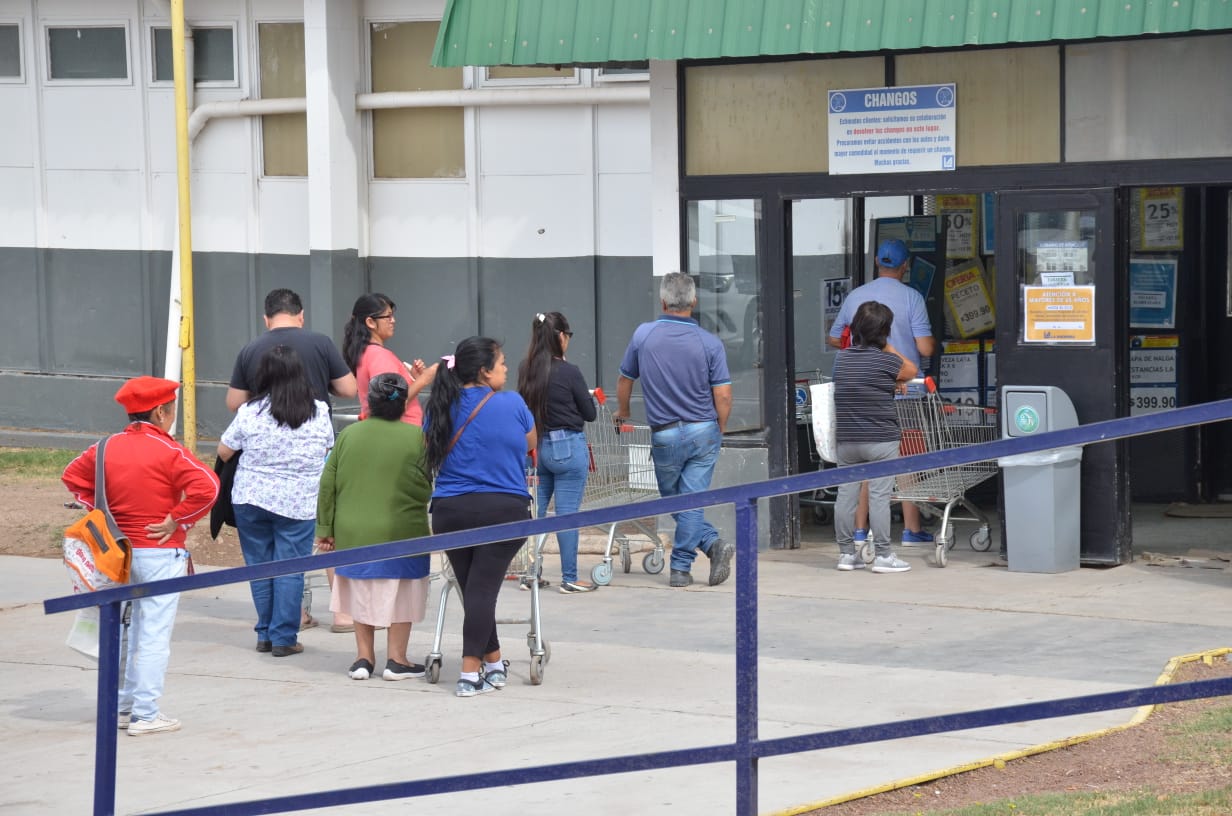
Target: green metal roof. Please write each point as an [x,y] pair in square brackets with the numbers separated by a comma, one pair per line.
[564,32]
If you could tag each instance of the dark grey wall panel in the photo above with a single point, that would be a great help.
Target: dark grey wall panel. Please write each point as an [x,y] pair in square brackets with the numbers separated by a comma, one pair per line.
[97,305]
[513,290]
[20,314]
[225,311]
[437,302]
[627,295]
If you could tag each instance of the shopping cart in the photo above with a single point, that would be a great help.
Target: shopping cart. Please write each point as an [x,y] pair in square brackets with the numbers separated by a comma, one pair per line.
[822,499]
[523,568]
[928,425]
[621,473]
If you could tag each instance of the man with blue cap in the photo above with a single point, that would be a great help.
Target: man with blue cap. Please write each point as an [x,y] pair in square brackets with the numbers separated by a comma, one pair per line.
[910,333]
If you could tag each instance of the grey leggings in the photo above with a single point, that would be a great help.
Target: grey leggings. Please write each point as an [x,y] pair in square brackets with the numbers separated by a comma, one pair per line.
[879,491]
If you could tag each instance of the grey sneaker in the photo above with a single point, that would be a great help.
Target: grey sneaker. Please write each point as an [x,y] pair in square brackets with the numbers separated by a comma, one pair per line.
[139,728]
[124,719]
[499,677]
[890,563]
[680,578]
[472,688]
[849,561]
[720,561]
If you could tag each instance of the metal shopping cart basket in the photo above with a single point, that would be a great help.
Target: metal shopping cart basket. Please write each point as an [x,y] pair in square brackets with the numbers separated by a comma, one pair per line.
[621,473]
[929,424]
[523,568]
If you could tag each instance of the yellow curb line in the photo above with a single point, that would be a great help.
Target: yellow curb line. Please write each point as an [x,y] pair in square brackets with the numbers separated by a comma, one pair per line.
[1140,716]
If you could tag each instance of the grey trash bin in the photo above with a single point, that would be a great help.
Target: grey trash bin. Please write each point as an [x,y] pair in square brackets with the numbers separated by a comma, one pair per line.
[1042,488]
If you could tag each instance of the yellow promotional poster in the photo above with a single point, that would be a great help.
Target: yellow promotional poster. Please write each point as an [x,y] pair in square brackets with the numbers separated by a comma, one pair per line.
[960,221]
[1160,218]
[1058,314]
[968,300]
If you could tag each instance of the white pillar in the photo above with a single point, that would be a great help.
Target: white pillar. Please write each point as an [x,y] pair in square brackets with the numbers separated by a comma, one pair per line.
[332,77]
[664,169]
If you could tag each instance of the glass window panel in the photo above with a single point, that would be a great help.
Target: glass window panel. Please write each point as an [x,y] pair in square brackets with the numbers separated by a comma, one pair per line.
[821,271]
[768,117]
[531,72]
[284,137]
[724,260]
[1055,263]
[88,53]
[416,142]
[1009,101]
[213,55]
[10,51]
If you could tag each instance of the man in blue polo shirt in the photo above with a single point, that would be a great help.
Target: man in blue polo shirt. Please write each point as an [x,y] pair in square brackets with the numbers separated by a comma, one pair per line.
[687,390]
[910,333]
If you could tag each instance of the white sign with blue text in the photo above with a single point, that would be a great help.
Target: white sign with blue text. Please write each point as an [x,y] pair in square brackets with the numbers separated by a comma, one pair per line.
[892,130]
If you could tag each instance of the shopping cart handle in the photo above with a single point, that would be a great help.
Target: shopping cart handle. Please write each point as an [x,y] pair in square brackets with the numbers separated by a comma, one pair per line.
[599,396]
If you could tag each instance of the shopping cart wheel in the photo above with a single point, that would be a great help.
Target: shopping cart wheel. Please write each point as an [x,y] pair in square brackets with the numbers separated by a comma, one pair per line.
[652,562]
[981,540]
[434,671]
[601,574]
[626,559]
[941,553]
[821,514]
[868,551]
[537,665]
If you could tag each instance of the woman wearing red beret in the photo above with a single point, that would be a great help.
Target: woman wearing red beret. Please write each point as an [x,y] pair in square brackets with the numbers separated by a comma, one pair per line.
[156,489]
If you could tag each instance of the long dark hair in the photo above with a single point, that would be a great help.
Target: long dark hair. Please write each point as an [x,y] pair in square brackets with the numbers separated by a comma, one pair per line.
[387,396]
[282,378]
[356,334]
[536,368]
[870,327]
[470,357]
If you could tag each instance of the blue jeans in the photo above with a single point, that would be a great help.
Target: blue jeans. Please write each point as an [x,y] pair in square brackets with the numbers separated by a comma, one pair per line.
[564,464]
[149,633]
[265,537]
[684,459]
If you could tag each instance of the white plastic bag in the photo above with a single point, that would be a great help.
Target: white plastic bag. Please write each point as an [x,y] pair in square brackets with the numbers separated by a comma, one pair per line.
[822,397]
[83,637]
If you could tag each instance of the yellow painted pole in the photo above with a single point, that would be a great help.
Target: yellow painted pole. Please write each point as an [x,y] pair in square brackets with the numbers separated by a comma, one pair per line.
[188,393]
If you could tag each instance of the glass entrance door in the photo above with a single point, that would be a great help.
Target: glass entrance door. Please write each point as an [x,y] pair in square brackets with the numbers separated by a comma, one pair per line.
[1061,315]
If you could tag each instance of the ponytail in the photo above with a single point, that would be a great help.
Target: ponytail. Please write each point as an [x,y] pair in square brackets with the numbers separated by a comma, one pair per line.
[456,370]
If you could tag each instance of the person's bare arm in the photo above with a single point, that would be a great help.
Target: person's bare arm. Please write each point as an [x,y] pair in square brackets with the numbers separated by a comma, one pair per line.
[834,342]
[722,404]
[235,398]
[927,346]
[421,377]
[908,370]
[624,393]
[344,387]
[225,453]
[532,440]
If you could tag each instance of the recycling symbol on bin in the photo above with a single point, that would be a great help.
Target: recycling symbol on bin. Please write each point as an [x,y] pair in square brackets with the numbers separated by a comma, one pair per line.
[1027,419]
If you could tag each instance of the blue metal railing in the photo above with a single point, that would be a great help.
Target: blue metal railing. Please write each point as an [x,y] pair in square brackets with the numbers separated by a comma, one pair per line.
[747,748]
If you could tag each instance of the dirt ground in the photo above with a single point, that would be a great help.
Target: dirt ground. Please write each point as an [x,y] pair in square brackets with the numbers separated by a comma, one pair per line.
[33,517]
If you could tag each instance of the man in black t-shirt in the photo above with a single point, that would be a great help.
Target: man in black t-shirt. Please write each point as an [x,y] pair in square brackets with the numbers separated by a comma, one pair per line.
[284,319]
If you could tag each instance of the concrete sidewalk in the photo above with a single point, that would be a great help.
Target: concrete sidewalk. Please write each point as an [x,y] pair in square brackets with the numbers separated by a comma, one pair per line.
[635,667]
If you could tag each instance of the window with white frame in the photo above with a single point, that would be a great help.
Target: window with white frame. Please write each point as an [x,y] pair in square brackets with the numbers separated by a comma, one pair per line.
[632,72]
[87,53]
[10,52]
[414,142]
[504,75]
[284,137]
[213,55]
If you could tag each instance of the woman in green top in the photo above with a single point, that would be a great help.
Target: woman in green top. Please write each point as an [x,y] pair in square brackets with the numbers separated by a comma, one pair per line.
[375,489]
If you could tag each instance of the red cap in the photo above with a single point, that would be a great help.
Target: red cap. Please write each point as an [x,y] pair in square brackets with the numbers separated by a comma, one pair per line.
[142,394]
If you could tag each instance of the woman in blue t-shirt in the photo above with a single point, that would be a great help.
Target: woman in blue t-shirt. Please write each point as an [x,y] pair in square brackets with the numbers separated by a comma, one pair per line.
[866,376]
[476,439]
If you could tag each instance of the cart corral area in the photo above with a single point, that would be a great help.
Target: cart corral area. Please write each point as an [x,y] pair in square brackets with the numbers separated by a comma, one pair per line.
[636,667]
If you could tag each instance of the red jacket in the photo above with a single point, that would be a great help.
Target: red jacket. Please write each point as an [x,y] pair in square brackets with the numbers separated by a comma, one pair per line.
[149,475]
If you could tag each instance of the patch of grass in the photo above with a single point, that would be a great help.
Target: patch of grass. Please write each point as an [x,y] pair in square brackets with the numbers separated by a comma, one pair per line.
[1112,803]
[1205,740]
[38,463]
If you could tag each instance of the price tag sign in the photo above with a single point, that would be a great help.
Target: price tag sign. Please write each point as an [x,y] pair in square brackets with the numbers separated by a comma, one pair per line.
[833,293]
[968,300]
[1059,263]
[1152,373]
[1159,218]
[960,221]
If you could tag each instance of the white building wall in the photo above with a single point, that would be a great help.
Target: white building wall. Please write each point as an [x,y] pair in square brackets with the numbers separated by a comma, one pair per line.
[94,163]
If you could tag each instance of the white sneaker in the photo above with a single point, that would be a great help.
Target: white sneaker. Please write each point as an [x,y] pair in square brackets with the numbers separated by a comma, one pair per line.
[849,561]
[890,563]
[138,728]
[124,720]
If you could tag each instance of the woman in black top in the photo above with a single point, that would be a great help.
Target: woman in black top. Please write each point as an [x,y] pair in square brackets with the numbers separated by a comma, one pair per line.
[557,395]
